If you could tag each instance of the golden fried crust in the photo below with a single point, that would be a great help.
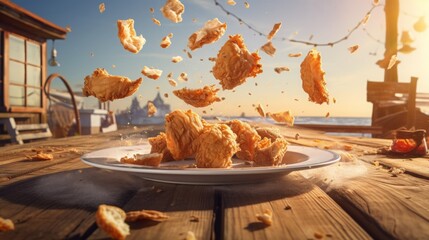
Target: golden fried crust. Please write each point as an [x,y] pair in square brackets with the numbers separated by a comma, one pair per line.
[153,215]
[181,129]
[107,87]
[269,48]
[234,63]
[247,138]
[270,154]
[270,133]
[201,97]
[274,31]
[283,117]
[172,10]
[215,147]
[6,225]
[112,220]
[211,32]
[152,73]
[151,109]
[313,78]
[151,159]
[128,37]
[159,145]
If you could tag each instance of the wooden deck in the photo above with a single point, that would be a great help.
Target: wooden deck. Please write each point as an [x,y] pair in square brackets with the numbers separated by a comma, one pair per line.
[354,199]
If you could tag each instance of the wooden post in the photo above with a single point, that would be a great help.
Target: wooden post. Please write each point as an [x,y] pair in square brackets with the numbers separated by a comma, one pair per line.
[392,12]
[411,115]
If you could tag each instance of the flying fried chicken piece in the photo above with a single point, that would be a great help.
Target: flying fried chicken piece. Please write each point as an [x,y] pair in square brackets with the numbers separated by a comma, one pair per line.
[270,153]
[151,109]
[181,129]
[234,63]
[211,32]
[283,117]
[274,31]
[152,73]
[247,138]
[269,48]
[107,87]
[313,78]
[215,146]
[201,97]
[128,37]
[172,10]
[159,145]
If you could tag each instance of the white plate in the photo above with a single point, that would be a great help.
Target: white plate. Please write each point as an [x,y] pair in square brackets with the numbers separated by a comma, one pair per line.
[296,158]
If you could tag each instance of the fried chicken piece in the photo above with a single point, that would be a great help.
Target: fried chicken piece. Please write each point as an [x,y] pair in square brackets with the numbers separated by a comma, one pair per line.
[283,117]
[353,48]
[111,219]
[313,78]
[6,225]
[211,32]
[41,157]
[151,109]
[201,97]
[181,129]
[107,87]
[183,76]
[159,145]
[172,82]
[152,215]
[269,48]
[215,146]
[266,217]
[152,73]
[156,21]
[165,42]
[269,153]
[274,31]
[101,7]
[128,37]
[247,138]
[176,59]
[260,110]
[234,63]
[270,133]
[151,159]
[173,10]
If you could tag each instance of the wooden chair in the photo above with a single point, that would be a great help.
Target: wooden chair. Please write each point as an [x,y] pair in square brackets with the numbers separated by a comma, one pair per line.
[20,132]
[394,104]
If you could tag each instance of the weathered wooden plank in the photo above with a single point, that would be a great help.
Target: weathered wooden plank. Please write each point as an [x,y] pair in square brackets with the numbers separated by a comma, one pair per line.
[181,203]
[387,207]
[55,206]
[415,166]
[300,211]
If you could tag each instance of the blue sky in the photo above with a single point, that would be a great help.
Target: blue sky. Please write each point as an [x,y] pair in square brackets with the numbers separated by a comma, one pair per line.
[93,43]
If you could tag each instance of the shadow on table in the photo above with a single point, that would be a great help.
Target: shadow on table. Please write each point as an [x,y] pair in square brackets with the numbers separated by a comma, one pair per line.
[83,188]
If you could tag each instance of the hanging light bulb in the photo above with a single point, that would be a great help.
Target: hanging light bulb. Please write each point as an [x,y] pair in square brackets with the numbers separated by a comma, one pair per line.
[420,25]
[53,60]
[406,49]
[406,38]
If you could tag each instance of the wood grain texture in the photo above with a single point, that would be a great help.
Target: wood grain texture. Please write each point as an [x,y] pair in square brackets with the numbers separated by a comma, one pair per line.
[300,211]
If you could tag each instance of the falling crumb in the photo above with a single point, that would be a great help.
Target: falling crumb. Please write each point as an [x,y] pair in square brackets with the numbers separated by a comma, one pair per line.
[318,235]
[212,59]
[375,2]
[256,84]
[347,147]
[183,76]
[297,136]
[260,110]
[172,82]
[113,66]
[176,59]
[194,20]
[152,10]
[170,75]
[189,54]
[282,92]
[311,37]
[101,7]
[392,61]
[201,59]
[334,100]
[266,217]
[92,54]
[296,99]
[204,111]
[157,88]
[394,171]
[281,69]
[223,98]
[190,236]
[194,218]
[287,207]
[166,95]
[327,115]
[353,49]
[250,93]
[376,163]
[68,28]
[246,5]
[156,21]
[231,2]
[295,54]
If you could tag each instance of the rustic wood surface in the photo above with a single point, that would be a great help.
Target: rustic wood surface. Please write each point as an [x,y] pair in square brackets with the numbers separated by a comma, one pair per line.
[357,198]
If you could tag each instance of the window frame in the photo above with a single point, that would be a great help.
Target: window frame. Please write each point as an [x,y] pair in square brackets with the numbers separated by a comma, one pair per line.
[6,75]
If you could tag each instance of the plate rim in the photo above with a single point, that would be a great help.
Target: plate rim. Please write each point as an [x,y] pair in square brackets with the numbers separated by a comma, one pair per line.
[335,157]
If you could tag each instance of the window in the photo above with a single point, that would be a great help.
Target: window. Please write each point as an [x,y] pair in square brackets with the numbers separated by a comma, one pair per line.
[25,72]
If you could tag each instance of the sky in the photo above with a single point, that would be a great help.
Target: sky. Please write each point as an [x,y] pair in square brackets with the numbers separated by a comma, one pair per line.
[93,43]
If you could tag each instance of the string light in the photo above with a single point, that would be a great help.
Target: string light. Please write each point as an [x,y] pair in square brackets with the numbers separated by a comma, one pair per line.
[330,44]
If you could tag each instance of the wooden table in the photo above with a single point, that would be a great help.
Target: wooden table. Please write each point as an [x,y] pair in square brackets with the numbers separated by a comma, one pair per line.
[354,199]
